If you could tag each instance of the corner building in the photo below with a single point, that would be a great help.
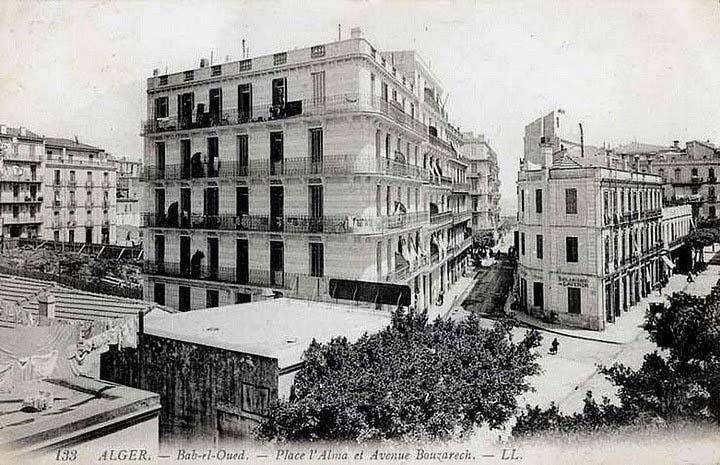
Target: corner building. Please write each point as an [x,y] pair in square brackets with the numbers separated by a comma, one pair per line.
[283,171]
[590,237]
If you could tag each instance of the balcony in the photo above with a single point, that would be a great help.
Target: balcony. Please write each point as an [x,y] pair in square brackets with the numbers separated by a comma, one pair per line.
[437,142]
[22,219]
[340,103]
[439,218]
[462,187]
[20,200]
[296,166]
[259,278]
[72,183]
[89,184]
[693,181]
[106,203]
[89,204]
[291,224]
[460,217]
[72,204]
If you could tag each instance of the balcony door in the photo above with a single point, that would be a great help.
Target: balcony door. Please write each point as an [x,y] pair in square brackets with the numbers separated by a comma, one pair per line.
[185,255]
[242,155]
[186,102]
[185,209]
[277,263]
[241,261]
[276,208]
[212,249]
[159,249]
[215,107]
[276,153]
[315,207]
[244,102]
[185,159]
[316,150]
[242,206]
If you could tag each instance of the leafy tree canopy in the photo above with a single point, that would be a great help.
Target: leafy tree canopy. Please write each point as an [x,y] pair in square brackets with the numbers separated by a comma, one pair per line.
[413,380]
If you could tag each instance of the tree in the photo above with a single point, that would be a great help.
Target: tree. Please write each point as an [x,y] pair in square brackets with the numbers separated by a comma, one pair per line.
[412,380]
[678,382]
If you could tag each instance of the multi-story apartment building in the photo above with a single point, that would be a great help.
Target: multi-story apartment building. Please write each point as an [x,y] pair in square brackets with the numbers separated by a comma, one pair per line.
[589,234]
[484,182]
[128,194]
[79,192]
[21,160]
[282,171]
[676,223]
[689,174]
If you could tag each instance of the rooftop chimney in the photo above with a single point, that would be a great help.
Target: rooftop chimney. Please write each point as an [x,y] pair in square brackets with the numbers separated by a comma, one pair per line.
[46,308]
[676,144]
[156,72]
[23,132]
[546,149]
[356,33]
[3,129]
[203,62]
[76,140]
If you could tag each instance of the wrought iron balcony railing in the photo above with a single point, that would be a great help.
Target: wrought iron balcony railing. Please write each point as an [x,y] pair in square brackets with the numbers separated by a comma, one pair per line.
[296,166]
[288,223]
[340,103]
[441,217]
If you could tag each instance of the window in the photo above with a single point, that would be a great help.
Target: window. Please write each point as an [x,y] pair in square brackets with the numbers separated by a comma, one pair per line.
[711,211]
[246,65]
[242,154]
[522,243]
[189,75]
[318,86]
[317,262]
[279,91]
[694,172]
[216,70]
[539,246]
[522,200]
[244,102]
[163,80]
[280,58]
[159,293]
[571,201]
[315,200]
[538,200]
[574,302]
[160,157]
[315,138]
[183,298]
[317,51]
[211,298]
[711,175]
[571,249]
[538,295]
[161,107]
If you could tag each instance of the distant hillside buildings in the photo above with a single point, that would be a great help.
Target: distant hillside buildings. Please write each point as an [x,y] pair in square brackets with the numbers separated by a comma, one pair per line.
[58,189]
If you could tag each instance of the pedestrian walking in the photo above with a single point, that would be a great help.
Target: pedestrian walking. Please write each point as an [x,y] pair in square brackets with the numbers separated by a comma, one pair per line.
[554,347]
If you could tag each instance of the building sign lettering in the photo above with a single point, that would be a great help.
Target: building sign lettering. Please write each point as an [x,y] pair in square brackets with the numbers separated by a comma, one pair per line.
[573,281]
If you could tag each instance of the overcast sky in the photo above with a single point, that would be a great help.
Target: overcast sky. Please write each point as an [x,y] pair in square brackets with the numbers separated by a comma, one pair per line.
[629,70]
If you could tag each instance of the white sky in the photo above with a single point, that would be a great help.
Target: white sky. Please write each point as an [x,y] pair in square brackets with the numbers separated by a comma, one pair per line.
[629,70]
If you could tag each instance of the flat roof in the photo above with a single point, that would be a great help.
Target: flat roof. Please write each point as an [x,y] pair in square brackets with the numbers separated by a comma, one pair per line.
[276,328]
[80,405]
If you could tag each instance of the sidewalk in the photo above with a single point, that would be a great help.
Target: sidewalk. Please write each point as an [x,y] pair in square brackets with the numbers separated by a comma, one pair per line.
[630,324]
[454,296]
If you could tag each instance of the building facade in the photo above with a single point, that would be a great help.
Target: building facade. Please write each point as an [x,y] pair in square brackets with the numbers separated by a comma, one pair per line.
[689,173]
[282,171]
[21,167]
[483,175]
[79,193]
[128,195]
[589,233]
